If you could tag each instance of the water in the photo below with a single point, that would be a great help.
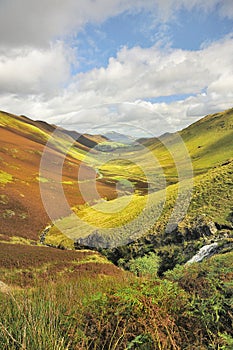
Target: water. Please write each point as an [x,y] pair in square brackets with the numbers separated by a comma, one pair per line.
[204,252]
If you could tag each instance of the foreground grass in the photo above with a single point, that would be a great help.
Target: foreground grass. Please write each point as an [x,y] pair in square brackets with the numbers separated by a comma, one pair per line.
[190,309]
[25,266]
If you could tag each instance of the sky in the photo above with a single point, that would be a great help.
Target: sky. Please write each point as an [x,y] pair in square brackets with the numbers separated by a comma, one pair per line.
[155,65]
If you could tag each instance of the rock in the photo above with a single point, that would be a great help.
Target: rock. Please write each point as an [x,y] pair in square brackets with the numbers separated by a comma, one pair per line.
[44,233]
[95,239]
[211,227]
[202,228]
[205,227]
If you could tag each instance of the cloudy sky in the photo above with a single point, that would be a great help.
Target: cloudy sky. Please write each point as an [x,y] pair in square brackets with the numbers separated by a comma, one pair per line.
[158,65]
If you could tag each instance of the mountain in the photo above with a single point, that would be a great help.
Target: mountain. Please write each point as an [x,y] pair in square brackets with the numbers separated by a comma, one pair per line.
[119,137]
[89,141]
[77,298]
[22,145]
[209,213]
[209,142]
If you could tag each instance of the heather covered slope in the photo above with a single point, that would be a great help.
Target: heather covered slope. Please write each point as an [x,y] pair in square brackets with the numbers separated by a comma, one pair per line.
[24,265]
[22,143]
[102,308]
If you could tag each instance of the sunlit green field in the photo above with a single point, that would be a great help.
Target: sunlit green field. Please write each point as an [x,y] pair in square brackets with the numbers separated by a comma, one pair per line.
[212,195]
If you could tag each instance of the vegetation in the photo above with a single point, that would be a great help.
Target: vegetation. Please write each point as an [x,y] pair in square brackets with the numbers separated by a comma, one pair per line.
[147,265]
[212,161]
[24,265]
[109,146]
[22,145]
[148,215]
[5,177]
[189,309]
[57,299]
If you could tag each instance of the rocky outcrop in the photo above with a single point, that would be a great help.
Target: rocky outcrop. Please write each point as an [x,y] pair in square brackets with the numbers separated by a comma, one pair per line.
[202,227]
[44,233]
[174,247]
[94,240]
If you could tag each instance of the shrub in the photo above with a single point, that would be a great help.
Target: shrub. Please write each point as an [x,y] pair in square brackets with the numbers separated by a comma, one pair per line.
[146,265]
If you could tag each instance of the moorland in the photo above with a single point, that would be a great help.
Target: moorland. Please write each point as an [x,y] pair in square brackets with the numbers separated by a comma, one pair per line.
[112,270]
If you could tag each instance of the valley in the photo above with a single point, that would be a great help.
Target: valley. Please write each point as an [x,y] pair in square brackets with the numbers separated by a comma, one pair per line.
[109,267]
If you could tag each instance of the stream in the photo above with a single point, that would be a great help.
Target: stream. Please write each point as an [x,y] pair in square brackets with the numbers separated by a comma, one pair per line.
[204,252]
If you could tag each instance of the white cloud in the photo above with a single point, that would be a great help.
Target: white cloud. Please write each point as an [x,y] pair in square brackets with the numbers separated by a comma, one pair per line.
[36,23]
[139,73]
[31,70]
[116,93]
[35,67]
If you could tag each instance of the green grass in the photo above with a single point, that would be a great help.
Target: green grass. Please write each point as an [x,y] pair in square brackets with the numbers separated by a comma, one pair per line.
[42,179]
[109,146]
[121,169]
[4,199]
[86,218]
[19,240]
[59,239]
[68,182]
[5,177]
[212,196]
[210,140]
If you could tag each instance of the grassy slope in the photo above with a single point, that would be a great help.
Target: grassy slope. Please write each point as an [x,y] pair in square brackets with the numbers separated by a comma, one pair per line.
[209,142]
[22,143]
[212,192]
[212,196]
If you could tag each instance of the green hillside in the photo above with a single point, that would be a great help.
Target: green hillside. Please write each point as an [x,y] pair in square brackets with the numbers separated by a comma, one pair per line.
[209,142]
[211,195]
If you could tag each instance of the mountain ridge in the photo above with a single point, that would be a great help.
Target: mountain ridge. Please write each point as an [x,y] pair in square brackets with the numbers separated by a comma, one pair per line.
[22,145]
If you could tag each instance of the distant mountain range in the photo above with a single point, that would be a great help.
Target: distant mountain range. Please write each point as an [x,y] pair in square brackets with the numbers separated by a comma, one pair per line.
[119,137]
